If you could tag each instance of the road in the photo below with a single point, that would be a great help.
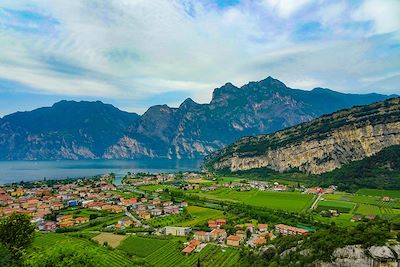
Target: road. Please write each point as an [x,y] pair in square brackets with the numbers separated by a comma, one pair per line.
[316,201]
[127,213]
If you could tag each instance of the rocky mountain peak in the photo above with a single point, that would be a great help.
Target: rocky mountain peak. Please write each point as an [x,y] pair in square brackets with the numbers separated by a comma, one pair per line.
[188,104]
[224,93]
[268,83]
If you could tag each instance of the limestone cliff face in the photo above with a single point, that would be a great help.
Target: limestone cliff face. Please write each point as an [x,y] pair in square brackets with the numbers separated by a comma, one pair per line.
[319,146]
[128,148]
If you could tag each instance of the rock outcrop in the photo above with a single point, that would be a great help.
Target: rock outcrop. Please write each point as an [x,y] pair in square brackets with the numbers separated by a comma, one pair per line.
[321,145]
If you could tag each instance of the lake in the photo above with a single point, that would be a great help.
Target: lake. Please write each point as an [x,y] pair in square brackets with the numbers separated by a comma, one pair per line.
[16,171]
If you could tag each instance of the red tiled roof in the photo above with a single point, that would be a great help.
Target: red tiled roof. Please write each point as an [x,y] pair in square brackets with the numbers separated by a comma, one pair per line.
[234,238]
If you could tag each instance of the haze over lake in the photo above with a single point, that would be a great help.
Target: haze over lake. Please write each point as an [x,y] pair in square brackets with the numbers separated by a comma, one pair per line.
[16,171]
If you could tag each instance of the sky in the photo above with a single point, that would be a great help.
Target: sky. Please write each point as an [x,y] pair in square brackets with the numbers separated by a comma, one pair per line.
[138,53]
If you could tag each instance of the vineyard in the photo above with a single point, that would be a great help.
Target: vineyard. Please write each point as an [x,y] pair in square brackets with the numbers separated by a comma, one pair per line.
[211,255]
[113,258]
[142,247]
[372,204]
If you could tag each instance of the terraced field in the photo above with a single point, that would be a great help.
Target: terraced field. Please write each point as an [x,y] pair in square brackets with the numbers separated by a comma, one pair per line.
[290,201]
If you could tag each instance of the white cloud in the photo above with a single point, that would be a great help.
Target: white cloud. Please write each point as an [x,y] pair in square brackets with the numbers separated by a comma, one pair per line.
[137,49]
[286,8]
[385,15]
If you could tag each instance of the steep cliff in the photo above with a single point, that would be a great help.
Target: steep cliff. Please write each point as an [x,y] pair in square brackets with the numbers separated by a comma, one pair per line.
[319,146]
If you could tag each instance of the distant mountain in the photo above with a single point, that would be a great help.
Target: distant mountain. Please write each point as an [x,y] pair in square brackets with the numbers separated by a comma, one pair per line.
[318,146]
[67,130]
[77,130]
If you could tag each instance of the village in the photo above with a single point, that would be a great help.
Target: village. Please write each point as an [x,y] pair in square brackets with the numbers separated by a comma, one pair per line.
[74,205]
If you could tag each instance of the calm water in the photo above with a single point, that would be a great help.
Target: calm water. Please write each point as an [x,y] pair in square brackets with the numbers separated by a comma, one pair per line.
[15,171]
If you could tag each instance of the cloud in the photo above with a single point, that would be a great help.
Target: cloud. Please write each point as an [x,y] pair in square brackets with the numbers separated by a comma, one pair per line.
[385,15]
[286,8]
[137,52]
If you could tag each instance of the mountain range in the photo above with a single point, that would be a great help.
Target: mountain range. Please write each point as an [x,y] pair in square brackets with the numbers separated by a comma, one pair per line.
[319,146]
[91,130]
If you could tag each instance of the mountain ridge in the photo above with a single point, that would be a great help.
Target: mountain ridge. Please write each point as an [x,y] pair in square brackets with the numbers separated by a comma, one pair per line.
[79,130]
[318,146]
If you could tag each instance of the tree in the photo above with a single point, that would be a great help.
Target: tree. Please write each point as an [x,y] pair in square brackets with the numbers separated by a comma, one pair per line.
[248,233]
[16,233]
[5,256]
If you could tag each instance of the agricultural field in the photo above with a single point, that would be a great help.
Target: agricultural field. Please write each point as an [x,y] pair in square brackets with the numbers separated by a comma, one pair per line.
[365,209]
[140,246]
[165,220]
[200,181]
[341,206]
[367,201]
[379,193]
[227,179]
[200,214]
[290,201]
[111,239]
[211,255]
[113,258]
[159,252]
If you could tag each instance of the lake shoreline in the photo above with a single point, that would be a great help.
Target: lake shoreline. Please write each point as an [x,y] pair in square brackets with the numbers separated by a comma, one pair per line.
[17,171]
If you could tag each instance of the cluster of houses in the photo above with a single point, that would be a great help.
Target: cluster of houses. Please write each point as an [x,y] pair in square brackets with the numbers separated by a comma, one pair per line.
[290,230]
[148,179]
[250,234]
[43,200]
[147,209]
[63,221]
[98,195]
[246,234]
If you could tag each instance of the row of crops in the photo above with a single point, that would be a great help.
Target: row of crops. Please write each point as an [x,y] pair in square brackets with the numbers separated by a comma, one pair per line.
[112,258]
[211,255]
[361,203]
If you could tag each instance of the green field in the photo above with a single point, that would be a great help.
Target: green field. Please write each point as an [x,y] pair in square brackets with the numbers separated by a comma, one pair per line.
[200,214]
[227,179]
[369,201]
[365,209]
[290,201]
[140,246]
[113,258]
[379,193]
[340,206]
